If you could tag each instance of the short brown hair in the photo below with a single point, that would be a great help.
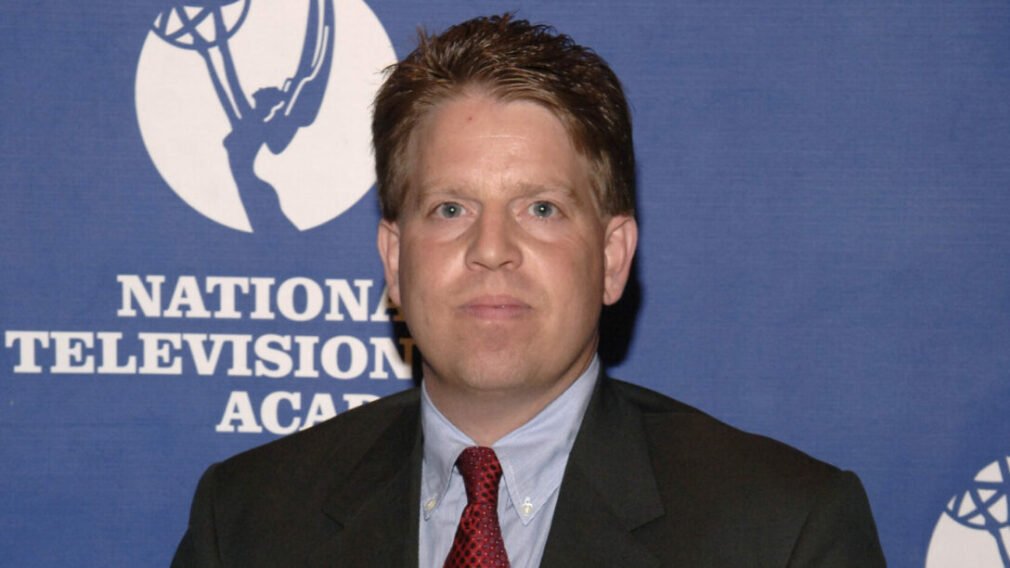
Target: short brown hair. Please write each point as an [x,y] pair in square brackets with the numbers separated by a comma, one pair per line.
[512,60]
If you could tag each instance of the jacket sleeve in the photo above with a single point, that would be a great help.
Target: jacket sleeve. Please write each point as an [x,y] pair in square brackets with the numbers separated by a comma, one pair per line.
[199,546]
[839,531]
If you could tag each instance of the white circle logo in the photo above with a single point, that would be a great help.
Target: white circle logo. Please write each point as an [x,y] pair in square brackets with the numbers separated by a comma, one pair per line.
[974,530]
[257,114]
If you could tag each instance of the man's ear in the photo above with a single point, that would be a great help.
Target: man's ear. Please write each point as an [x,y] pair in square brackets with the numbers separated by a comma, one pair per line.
[620,240]
[388,241]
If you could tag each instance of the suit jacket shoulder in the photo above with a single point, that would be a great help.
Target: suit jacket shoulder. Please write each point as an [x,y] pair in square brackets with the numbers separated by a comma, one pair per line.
[671,486]
[325,496]
[338,443]
[693,436]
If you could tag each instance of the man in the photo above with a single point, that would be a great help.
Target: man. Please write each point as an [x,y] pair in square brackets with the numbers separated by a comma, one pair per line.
[506,178]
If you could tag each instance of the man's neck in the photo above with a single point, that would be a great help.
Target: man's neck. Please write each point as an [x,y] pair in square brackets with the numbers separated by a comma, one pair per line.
[486,416]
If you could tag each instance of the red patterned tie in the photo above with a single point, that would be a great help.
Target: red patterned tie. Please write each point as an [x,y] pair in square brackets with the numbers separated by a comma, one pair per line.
[478,542]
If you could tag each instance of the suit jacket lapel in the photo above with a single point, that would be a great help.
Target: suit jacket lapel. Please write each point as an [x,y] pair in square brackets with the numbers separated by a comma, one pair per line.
[375,506]
[609,489]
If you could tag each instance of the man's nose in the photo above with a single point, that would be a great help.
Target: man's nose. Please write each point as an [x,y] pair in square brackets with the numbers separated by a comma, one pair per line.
[493,243]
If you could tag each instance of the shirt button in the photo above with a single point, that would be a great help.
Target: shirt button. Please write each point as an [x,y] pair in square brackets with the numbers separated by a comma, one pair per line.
[526,508]
[430,504]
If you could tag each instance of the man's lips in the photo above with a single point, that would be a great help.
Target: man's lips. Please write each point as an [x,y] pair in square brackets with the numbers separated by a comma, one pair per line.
[495,307]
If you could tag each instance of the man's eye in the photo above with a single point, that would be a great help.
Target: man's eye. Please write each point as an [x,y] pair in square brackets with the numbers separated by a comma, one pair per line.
[449,210]
[543,209]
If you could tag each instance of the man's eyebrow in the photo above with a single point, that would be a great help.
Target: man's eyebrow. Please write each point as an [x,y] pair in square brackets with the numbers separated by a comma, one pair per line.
[540,189]
[427,191]
[435,191]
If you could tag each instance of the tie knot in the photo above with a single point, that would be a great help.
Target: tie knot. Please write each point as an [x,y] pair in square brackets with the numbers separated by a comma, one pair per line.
[481,473]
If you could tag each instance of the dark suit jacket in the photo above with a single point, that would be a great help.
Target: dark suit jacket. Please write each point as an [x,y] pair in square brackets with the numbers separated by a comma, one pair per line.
[650,482]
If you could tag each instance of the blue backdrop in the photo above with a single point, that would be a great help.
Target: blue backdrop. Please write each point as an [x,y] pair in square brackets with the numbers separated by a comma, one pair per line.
[825,258]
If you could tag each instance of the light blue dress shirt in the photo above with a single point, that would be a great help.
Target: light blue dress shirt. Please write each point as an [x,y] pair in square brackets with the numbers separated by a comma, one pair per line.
[533,459]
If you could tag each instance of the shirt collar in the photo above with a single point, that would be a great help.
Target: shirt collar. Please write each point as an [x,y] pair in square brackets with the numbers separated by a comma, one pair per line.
[533,456]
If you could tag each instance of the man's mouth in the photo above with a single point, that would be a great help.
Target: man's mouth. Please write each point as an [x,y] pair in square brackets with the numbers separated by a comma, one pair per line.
[495,307]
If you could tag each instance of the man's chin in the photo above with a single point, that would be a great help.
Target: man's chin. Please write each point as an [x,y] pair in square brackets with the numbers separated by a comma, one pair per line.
[498,373]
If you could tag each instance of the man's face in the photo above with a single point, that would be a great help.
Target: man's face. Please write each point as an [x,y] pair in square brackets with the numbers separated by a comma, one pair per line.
[500,259]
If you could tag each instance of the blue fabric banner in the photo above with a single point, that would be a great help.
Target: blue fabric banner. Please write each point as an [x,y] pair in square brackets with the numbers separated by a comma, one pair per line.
[187,263]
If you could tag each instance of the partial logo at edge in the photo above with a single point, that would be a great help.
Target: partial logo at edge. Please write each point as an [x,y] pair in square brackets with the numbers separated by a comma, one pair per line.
[974,529]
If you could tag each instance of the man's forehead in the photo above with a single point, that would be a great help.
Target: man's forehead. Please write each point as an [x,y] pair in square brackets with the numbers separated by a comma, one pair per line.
[451,134]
